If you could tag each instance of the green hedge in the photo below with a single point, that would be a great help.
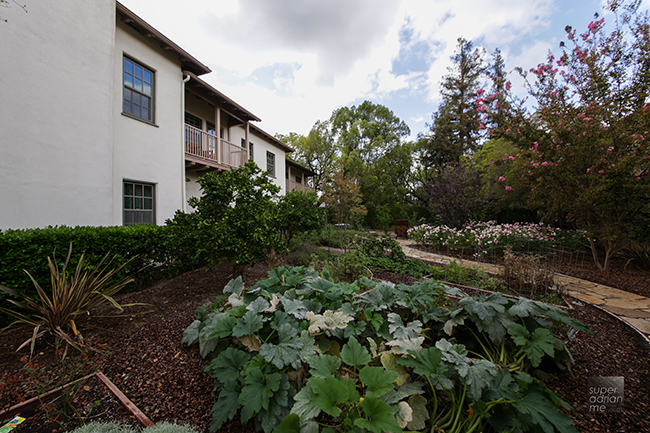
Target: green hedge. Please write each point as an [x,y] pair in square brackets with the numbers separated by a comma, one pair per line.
[145,248]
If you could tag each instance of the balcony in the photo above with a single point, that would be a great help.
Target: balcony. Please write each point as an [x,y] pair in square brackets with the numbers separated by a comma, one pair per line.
[203,154]
[295,186]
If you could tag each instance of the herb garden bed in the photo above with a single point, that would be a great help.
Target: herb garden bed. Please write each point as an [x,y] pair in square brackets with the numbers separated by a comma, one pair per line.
[165,379]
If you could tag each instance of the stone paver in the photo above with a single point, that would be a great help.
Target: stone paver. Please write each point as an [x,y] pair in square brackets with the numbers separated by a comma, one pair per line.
[632,308]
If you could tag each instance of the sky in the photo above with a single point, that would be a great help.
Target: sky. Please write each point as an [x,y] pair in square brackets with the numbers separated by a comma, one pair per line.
[293,62]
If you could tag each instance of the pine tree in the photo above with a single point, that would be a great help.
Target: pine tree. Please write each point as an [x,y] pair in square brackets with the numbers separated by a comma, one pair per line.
[455,130]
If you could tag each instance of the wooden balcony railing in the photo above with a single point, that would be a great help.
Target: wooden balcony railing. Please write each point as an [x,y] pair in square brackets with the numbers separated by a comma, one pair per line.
[204,145]
[295,186]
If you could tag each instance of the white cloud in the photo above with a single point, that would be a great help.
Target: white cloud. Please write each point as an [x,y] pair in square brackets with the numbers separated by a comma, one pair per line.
[292,62]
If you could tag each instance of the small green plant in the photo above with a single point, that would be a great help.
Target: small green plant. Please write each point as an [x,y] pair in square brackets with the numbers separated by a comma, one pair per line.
[71,296]
[113,427]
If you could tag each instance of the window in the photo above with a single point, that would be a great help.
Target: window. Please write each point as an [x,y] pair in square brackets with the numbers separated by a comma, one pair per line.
[250,151]
[138,90]
[270,162]
[192,120]
[298,178]
[138,203]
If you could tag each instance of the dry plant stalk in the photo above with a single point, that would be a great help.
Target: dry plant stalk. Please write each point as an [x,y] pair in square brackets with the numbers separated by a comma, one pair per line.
[526,275]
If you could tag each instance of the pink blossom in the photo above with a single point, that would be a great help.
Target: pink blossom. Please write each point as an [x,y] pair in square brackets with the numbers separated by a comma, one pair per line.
[501,178]
[511,158]
[508,188]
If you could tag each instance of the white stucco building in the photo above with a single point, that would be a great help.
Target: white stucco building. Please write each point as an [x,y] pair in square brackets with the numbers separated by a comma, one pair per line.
[105,121]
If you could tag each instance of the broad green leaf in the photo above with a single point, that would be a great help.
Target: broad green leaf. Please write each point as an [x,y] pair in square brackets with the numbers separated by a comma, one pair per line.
[191,333]
[224,328]
[234,286]
[534,345]
[328,392]
[329,321]
[354,328]
[353,393]
[480,375]
[536,408]
[399,331]
[227,366]
[247,325]
[354,354]
[226,406]
[257,392]
[258,305]
[309,347]
[287,351]
[290,424]
[303,406]
[420,415]
[323,365]
[280,318]
[380,417]
[488,314]
[378,380]
[427,362]
[319,285]
[404,414]
[294,307]
[277,409]
[207,342]
[404,346]
[389,361]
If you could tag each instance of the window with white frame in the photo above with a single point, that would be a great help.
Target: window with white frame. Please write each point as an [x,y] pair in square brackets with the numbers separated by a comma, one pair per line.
[270,162]
[139,203]
[250,151]
[138,90]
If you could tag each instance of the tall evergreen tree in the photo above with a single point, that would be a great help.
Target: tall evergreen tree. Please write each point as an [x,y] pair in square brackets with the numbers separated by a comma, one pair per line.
[456,127]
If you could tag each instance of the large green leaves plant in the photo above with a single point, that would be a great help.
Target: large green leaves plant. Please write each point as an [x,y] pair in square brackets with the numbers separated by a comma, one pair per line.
[356,356]
[72,295]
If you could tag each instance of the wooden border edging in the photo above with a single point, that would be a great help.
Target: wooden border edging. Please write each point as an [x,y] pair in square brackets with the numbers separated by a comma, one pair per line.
[35,401]
[125,401]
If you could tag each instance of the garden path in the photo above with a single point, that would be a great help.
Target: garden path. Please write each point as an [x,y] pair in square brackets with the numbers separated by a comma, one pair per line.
[631,308]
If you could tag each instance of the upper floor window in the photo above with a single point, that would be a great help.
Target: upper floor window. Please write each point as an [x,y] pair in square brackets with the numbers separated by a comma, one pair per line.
[138,90]
[270,162]
[250,150]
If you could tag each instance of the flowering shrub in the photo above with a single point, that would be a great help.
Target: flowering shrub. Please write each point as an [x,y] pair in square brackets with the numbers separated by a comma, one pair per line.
[485,236]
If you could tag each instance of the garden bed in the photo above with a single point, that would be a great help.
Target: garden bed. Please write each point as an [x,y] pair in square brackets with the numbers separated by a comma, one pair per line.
[164,378]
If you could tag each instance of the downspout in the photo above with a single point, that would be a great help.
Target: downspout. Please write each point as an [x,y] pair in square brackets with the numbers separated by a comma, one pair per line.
[183,177]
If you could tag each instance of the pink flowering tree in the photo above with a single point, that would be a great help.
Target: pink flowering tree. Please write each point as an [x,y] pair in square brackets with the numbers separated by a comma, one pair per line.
[585,155]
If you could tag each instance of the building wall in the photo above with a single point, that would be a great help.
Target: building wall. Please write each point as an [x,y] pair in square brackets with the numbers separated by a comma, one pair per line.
[56,115]
[261,145]
[144,152]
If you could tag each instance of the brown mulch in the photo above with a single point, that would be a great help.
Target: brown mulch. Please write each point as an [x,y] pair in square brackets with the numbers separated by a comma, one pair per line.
[165,380]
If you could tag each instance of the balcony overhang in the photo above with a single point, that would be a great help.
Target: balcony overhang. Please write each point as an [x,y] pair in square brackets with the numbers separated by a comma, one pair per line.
[218,99]
[199,165]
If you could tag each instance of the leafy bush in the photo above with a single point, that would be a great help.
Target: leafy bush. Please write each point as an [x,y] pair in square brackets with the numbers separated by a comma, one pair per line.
[71,296]
[484,237]
[297,351]
[236,218]
[134,250]
[333,237]
[299,211]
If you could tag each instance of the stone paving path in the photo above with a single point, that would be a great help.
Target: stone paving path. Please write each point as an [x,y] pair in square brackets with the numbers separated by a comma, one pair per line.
[633,309]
